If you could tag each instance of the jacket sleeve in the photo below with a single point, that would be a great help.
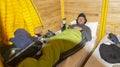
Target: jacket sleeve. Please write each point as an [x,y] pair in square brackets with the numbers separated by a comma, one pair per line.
[86,34]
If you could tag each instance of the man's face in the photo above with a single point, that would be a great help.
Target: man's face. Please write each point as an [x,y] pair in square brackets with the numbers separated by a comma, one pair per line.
[81,20]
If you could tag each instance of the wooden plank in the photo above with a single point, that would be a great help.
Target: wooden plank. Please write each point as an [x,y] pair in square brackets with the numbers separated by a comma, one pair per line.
[91,8]
[116,15]
[113,20]
[90,19]
[46,1]
[51,16]
[46,5]
[86,4]
[117,29]
[83,0]
[47,12]
[51,20]
[109,29]
[114,4]
[52,27]
[85,10]
[113,17]
[113,27]
[114,0]
[90,16]
[114,10]
[50,13]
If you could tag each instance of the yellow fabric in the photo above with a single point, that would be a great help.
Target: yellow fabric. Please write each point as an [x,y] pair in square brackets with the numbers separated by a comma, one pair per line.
[16,14]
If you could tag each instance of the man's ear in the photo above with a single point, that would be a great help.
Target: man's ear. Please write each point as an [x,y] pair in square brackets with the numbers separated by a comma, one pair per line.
[85,21]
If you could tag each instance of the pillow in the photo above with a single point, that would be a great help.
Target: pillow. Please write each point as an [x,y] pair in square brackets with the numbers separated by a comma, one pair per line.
[92,25]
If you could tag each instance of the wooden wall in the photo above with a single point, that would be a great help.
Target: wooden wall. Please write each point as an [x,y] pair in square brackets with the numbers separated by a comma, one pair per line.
[50,12]
[113,17]
[92,9]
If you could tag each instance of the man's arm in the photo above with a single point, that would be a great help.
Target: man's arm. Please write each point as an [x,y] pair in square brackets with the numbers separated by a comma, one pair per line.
[87,33]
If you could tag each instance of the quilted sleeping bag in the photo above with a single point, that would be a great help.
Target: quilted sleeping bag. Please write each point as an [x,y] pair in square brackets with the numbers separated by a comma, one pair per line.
[52,50]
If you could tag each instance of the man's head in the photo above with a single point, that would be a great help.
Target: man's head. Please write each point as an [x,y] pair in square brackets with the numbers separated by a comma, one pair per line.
[81,19]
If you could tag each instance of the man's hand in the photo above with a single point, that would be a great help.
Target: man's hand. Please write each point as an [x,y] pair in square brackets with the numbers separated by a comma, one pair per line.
[77,28]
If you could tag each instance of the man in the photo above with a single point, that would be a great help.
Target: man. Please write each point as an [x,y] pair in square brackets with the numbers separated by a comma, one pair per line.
[59,44]
[80,25]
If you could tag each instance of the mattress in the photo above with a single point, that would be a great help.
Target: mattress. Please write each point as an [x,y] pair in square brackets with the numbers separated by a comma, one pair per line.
[96,61]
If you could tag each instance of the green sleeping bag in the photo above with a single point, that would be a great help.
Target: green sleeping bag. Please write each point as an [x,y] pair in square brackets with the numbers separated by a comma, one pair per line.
[52,50]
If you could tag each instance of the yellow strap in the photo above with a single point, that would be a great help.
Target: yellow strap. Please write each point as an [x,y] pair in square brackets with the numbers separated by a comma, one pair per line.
[62,9]
[103,18]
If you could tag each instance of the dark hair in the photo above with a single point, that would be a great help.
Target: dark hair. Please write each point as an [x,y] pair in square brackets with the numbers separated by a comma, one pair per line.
[81,15]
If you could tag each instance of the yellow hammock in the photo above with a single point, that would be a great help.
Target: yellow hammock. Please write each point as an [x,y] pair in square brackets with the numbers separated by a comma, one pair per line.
[16,14]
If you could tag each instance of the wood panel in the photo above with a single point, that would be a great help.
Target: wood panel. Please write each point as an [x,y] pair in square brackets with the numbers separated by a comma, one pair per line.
[113,21]
[92,9]
[50,13]
[115,0]
[112,27]
[83,0]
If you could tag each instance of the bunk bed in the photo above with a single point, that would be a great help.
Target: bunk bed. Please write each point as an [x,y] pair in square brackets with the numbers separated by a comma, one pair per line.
[77,59]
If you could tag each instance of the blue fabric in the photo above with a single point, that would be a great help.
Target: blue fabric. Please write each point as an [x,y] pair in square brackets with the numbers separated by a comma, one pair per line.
[113,38]
[22,38]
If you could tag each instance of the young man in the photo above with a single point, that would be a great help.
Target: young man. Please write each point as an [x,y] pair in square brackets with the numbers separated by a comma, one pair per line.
[80,25]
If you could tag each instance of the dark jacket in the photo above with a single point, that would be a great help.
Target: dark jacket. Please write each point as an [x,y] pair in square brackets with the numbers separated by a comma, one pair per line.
[86,33]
